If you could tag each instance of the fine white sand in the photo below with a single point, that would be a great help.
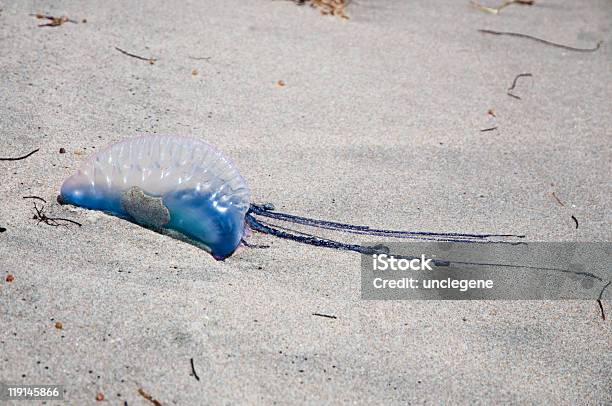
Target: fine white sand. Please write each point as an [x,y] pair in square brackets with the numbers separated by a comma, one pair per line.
[378,123]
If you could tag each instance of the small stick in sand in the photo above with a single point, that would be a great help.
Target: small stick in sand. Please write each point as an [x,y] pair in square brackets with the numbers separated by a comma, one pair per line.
[511,88]
[543,41]
[575,221]
[488,129]
[195,374]
[34,197]
[603,314]
[557,199]
[53,21]
[324,315]
[149,397]
[563,205]
[51,221]
[142,58]
[21,157]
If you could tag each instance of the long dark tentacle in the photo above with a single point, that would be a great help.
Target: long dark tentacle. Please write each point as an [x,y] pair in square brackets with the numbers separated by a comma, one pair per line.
[287,233]
[305,238]
[309,239]
[267,211]
[414,237]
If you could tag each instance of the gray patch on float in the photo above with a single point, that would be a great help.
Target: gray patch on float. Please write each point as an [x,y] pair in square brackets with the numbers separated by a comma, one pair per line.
[150,212]
[146,210]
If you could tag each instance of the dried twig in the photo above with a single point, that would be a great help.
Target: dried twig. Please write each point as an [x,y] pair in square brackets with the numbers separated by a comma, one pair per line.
[324,315]
[51,221]
[563,205]
[488,129]
[543,41]
[198,58]
[142,58]
[21,157]
[575,221]
[149,397]
[603,314]
[511,88]
[34,197]
[557,199]
[53,21]
[195,374]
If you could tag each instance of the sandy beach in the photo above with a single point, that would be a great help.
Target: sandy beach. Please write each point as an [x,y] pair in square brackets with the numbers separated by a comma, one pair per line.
[376,119]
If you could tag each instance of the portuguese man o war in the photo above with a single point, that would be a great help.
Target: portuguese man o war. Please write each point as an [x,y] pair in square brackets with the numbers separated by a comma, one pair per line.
[166,183]
[185,187]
